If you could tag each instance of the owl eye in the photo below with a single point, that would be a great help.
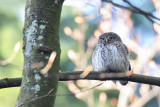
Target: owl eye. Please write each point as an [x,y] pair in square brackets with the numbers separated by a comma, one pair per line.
[111,38]
[103,39]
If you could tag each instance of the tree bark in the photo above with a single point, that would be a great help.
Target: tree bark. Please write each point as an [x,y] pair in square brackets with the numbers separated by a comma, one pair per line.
[41,37]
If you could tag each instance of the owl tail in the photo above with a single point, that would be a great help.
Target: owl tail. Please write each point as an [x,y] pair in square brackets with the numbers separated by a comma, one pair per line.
[123,82]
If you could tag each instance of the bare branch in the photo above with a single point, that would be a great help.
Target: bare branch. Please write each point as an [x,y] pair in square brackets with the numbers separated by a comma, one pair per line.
[10,82]
[135,10]
[102,76]
[141,11]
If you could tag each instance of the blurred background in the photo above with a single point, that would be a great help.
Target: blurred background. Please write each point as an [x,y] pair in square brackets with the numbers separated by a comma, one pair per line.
[82,22]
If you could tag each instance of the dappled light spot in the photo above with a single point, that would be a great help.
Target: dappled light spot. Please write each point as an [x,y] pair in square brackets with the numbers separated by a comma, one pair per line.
[79,19]
[102,97]
[12,57]
[68,31]
[86,71]
[50,62]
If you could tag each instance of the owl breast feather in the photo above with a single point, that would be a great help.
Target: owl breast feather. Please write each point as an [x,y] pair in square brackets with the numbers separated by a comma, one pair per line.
[109,57]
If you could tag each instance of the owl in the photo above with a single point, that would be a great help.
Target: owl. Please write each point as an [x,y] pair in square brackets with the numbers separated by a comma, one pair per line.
[111,55]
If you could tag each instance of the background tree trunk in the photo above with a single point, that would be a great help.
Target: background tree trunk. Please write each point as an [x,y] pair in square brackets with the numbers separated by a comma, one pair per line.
[41,37]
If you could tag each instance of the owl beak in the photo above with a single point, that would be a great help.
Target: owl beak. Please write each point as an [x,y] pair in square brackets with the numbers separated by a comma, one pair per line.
[106,40]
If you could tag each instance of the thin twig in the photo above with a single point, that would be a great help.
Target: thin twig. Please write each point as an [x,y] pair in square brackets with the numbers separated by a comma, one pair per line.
[135,10]
[141,11]
[36,98]
[68,94]
[121,6]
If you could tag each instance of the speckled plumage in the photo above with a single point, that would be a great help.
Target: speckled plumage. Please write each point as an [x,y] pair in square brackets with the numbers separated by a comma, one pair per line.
[111,54]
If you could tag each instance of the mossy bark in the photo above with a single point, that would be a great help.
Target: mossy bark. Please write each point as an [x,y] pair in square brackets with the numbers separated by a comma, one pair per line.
[41,37]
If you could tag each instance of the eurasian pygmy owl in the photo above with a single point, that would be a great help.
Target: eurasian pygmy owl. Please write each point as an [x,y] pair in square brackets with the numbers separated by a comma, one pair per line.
[111,54]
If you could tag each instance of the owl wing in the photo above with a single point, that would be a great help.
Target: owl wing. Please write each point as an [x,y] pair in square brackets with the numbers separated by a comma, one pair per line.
[94,58]
[123,48]
[126,49]
[127,54]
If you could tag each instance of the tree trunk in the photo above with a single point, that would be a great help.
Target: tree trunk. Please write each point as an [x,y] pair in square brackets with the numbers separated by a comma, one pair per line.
[41,37]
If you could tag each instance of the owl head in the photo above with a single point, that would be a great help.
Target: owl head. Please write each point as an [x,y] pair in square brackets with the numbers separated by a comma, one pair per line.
[108,38]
